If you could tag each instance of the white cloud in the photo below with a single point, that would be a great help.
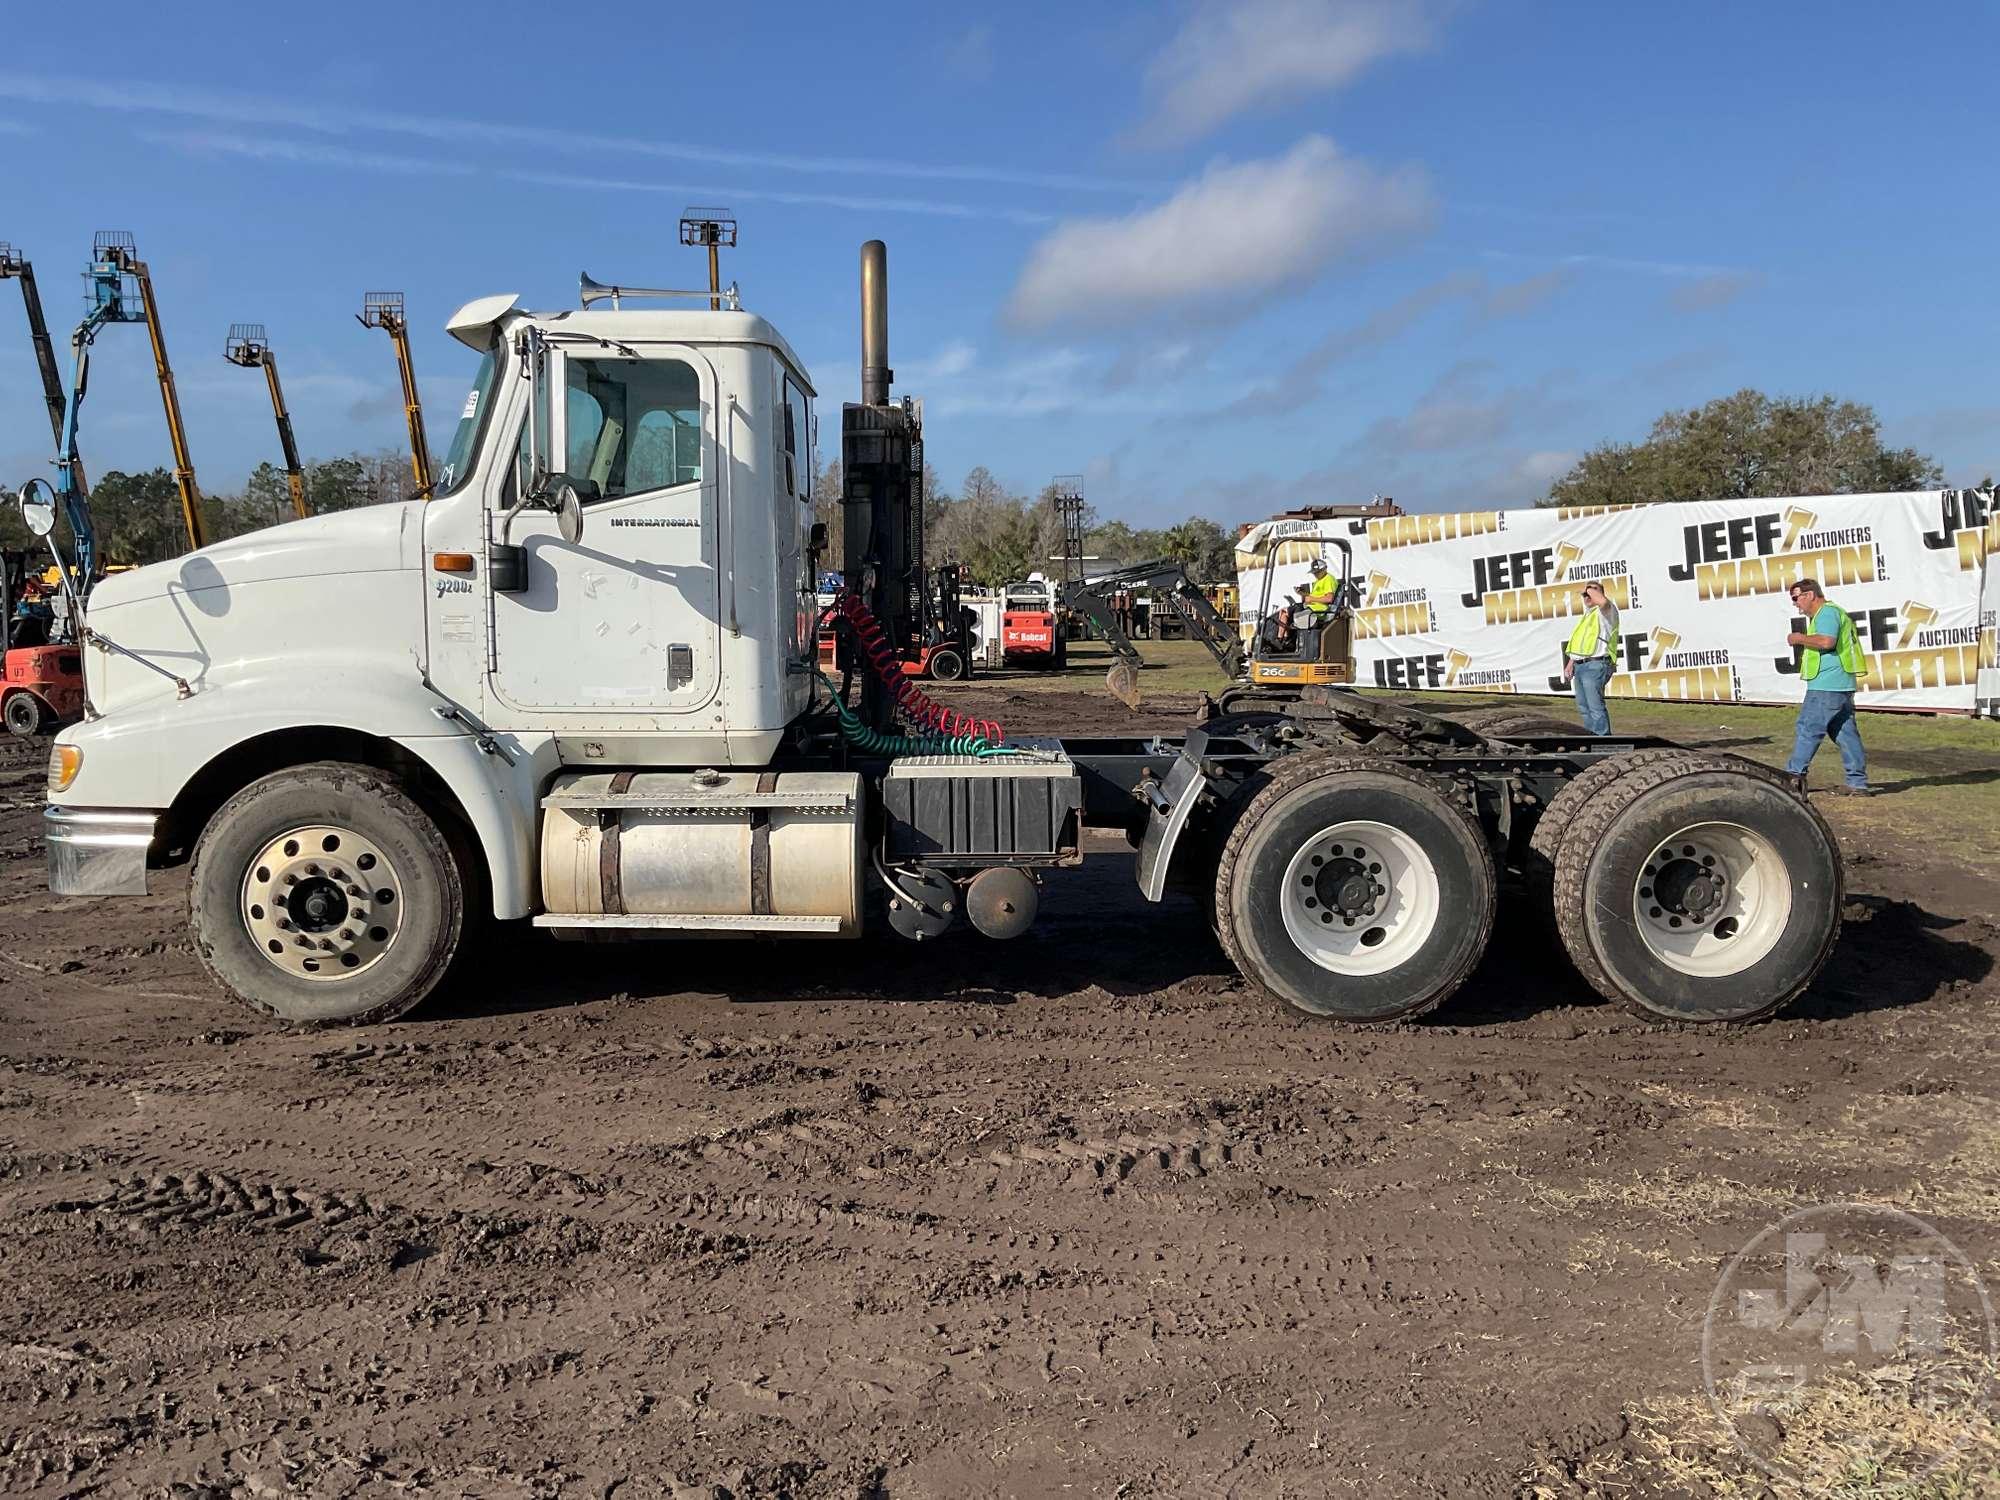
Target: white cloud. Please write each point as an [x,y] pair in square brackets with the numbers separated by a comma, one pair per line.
[1234,55]
[1301,381]
[970,56]
[1711,292]
[1236,232]
[1543,467]
[272,148]
[139,96]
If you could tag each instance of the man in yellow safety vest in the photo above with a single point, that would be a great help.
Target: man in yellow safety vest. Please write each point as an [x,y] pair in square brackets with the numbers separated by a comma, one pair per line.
[1591,655]
[1319,597]
[1832,663]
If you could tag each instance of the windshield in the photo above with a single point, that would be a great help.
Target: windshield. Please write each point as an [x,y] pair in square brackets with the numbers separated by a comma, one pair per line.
[457,465]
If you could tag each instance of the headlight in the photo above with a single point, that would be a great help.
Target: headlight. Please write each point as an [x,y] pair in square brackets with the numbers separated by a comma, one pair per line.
[64,762]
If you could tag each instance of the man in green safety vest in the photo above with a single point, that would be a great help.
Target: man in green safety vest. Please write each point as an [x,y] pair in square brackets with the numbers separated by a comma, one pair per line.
[1832,663]
[1591,655]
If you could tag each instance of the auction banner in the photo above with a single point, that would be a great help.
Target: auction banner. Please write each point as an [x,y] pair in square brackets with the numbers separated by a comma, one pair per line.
[1987,702]
[1483,601]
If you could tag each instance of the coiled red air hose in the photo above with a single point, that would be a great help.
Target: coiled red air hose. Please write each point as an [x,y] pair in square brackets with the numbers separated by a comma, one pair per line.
[925,712]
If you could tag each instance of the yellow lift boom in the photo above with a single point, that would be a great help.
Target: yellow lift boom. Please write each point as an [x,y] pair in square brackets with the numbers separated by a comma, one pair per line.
[113,256]
[248,347]
[385,310]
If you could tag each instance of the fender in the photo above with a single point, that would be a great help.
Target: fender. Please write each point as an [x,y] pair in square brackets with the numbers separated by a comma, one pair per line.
[1171,807]
[145,755]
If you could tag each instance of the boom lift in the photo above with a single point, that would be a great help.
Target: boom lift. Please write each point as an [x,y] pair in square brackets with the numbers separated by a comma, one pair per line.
[15,265]
[711,229]
[384,310]
[630,736]
[247,346]
[113,263]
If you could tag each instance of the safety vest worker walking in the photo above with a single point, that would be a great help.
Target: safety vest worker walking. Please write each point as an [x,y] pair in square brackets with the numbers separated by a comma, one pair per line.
[1590,656]
[1832,663]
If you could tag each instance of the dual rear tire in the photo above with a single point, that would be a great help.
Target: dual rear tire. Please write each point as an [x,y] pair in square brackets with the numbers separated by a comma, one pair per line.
[1688,886]
[1685,887]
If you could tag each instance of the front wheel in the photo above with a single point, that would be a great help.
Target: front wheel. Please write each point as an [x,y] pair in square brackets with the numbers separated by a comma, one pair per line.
[324,895]
[1361,892]
[26,715]
[946,665]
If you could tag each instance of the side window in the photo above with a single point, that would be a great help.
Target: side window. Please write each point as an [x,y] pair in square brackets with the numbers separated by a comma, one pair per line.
[634,425]
[797,441]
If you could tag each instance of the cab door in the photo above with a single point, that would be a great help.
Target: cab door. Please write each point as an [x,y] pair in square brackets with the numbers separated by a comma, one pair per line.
[624,623]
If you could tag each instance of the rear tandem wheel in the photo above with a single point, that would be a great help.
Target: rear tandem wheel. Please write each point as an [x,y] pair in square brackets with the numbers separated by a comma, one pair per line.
[1355,889]
[1690,887]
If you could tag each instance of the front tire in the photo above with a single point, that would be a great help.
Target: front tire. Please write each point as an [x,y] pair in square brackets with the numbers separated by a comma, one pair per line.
[325,896]
[946,665]
[1357,891]
[26,715]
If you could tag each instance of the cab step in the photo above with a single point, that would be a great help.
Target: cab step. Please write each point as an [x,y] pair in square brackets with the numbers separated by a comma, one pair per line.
[700,922]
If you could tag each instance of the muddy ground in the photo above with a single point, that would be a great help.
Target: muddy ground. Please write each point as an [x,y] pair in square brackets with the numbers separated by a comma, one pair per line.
[1073,1215]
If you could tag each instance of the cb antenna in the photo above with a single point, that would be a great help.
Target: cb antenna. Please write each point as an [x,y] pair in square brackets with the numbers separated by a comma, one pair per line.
[713,228]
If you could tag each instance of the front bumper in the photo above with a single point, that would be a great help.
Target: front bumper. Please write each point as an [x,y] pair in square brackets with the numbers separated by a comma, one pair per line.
[97,851]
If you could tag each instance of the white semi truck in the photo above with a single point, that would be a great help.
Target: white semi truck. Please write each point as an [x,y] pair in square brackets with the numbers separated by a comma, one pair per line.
[578,687]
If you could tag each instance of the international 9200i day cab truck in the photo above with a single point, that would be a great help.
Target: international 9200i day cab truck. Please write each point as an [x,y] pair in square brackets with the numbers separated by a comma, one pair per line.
[578,686]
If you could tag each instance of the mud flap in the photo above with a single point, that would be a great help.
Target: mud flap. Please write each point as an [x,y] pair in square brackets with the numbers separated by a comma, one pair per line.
[1183,789]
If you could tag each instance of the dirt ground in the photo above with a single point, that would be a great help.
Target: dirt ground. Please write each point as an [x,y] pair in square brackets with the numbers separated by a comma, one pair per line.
[1073,1215]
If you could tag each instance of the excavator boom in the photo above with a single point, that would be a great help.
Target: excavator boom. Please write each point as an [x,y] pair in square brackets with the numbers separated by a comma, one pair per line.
[1170,584]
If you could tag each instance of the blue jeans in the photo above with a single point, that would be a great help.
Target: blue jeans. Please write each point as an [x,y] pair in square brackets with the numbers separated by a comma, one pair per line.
[1592,673]
[1829,716]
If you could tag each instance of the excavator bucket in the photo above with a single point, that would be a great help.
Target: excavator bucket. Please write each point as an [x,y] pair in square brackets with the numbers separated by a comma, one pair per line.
[1123,681]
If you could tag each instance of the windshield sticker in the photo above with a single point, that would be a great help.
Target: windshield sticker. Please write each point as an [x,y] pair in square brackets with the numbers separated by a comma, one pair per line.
[471,405]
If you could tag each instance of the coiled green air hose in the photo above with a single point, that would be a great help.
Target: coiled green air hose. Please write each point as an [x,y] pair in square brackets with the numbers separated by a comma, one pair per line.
[874,742]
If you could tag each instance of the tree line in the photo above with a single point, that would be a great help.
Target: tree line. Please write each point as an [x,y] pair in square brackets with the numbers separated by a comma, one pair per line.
[138,516]
[1735,447]
[1001,537]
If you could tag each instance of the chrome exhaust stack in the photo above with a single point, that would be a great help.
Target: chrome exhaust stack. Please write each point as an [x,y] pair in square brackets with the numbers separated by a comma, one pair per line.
[875,371]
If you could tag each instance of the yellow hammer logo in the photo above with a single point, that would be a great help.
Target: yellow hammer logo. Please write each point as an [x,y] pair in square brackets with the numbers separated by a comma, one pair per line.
[1664,640]
[1915,617]
[1376,583]
[1567,554]
[1456,661]
[1797,521]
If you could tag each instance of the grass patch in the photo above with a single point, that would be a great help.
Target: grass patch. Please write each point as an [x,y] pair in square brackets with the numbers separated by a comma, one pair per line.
[1915,1432]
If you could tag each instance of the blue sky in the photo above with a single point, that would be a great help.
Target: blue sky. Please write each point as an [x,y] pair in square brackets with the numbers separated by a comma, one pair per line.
[1220,259]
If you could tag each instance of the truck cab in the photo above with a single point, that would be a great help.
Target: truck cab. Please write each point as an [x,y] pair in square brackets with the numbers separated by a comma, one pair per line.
[478,646]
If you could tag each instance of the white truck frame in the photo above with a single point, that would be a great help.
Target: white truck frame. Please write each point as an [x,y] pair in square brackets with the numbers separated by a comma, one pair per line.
[579,686]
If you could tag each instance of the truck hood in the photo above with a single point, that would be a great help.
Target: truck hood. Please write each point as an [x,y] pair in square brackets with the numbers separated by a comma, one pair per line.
[373,539]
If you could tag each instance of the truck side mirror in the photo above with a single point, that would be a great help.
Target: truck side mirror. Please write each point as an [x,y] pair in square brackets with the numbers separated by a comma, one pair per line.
[568,506]
[38,507]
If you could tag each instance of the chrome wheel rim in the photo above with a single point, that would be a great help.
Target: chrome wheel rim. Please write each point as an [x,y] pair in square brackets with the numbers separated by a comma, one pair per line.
[1712,900]
[322,902]
[1360,898]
